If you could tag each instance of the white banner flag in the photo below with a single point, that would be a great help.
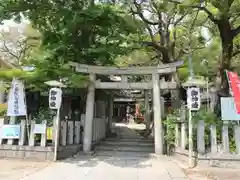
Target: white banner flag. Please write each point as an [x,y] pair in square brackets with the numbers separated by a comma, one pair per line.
[16,99]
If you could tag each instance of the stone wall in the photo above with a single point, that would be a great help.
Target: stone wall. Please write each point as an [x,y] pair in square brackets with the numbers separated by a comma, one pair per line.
[37,152]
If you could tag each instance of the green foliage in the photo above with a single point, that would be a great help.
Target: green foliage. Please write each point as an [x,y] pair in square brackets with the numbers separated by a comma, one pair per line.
[3,111]
[78,31]
[170,124]
[209,119]
[44,115]
[72,31]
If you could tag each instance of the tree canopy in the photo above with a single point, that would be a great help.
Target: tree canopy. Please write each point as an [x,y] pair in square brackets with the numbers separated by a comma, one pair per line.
[132,32]
[91,33]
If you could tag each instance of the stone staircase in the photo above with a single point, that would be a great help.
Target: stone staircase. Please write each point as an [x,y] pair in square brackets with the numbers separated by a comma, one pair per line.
[127,143]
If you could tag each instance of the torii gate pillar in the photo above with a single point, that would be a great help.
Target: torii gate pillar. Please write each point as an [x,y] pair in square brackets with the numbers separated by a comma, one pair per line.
[87,137]
[158,132]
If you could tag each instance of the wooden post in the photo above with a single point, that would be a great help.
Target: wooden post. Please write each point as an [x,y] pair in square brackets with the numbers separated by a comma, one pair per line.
[87,139]
[158,135]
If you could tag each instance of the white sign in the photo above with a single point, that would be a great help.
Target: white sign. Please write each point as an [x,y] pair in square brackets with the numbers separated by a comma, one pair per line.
[10,131]
[55,98]
[16,99]
[40,129]
[193,98]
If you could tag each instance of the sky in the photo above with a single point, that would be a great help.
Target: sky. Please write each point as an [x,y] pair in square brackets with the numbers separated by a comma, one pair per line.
[11,23]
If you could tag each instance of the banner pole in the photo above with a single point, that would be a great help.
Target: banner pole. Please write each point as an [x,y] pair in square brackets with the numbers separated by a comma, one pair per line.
[56,134]
[27,119]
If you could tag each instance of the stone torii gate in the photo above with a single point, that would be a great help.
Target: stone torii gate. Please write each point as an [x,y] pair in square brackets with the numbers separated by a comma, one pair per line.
[155,84]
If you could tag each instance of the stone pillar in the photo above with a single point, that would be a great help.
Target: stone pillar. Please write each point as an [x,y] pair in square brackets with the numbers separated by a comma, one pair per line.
[146,105]
[87,139]
[110,113]
[124,78]
[118,111]
[158,135]
[175,93]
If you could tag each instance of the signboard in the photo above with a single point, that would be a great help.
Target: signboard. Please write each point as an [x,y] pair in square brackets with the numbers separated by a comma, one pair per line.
[234,84]
[49,133]
[3,106]
[39,129]
[10,131]
[16,99]
[55,98]
[228,111]
[193,98]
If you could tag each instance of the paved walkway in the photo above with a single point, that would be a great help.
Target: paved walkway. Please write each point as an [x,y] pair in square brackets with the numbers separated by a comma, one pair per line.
[110,168]
[11,169]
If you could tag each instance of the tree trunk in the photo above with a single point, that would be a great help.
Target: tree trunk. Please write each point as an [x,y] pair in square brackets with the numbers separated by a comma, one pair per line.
[227,49]
[226,56]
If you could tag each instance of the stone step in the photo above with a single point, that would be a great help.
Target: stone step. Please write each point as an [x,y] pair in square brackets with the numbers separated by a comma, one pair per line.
[130,140]
[123,154]
[148,149]
[128,143]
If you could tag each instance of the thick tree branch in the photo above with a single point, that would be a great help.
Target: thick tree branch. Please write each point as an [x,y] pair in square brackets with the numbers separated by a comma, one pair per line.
[237,50]
[140,14]
[202,8]
[7,50]
[236,31]
[157,47]
[236,53]
[210,15]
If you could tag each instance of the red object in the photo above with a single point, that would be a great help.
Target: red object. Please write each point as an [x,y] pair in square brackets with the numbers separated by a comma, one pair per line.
[137,109]
[234,84]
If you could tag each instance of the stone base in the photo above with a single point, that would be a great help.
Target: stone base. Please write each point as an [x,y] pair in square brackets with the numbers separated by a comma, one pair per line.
[37,152]
[216,160]
[68,151]
[86,155]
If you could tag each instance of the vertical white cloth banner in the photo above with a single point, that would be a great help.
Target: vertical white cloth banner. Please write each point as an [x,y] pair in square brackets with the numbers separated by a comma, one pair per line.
[16,99]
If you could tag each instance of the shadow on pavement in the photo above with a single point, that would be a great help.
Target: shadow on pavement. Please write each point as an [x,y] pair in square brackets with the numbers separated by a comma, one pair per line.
[118,161]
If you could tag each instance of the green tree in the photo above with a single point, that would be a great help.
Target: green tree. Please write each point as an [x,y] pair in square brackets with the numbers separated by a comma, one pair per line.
[80,31]
[18,43]
[223,15]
